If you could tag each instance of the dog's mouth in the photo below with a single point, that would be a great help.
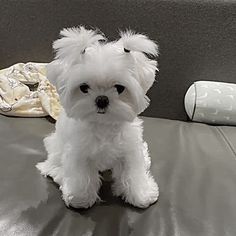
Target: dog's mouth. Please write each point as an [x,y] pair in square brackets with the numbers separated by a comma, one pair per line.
[101,111]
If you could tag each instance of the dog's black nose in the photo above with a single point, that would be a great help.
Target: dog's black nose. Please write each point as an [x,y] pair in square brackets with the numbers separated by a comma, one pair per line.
[102,102]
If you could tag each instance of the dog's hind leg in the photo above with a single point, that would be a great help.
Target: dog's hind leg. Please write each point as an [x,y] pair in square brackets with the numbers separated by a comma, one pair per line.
[52,166]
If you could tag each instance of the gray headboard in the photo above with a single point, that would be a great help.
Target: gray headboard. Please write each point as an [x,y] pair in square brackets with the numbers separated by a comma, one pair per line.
[197,38]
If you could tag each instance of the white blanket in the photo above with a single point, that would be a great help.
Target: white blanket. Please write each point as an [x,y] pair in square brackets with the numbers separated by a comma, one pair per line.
[26,92]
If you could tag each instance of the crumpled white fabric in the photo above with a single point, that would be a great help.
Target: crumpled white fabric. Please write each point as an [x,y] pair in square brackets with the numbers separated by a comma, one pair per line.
[26,92]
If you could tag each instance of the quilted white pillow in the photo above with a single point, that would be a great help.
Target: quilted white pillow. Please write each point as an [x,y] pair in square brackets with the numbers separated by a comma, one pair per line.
[211,102]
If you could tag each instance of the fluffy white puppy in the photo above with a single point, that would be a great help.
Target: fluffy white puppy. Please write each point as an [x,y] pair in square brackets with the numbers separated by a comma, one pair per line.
[102,88]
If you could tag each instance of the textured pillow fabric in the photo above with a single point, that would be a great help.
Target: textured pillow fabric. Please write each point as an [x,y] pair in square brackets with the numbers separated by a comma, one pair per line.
[211,102]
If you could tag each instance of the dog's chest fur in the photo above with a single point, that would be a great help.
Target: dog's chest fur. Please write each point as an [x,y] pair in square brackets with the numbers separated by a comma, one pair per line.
[105,145]
[102,144]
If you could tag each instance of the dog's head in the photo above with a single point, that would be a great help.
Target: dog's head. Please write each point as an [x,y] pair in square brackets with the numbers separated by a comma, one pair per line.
[101,81]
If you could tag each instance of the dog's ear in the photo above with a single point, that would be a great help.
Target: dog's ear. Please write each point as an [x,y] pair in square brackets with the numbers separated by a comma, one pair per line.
[55,71]
[70,49]
[139,46]
[73,43]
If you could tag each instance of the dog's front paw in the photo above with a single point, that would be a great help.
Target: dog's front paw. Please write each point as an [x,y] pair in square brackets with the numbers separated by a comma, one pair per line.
[78,199]
[144,197]
[48,169]
[142,194]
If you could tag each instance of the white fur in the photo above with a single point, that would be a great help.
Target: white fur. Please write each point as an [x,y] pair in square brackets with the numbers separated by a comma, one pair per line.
[85,141]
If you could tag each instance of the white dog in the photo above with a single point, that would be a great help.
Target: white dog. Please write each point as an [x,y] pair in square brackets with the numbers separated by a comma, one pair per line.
[102,88]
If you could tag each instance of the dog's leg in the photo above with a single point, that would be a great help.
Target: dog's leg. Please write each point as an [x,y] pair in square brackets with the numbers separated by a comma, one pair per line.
[133,181]
[81,182]
[146,156]
[52,166]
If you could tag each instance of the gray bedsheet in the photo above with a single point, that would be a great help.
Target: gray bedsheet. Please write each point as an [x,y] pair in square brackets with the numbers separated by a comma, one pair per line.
[194,165]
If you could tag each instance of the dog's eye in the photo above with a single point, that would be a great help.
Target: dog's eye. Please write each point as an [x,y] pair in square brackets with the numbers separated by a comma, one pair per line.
[84,88]
[120,88]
